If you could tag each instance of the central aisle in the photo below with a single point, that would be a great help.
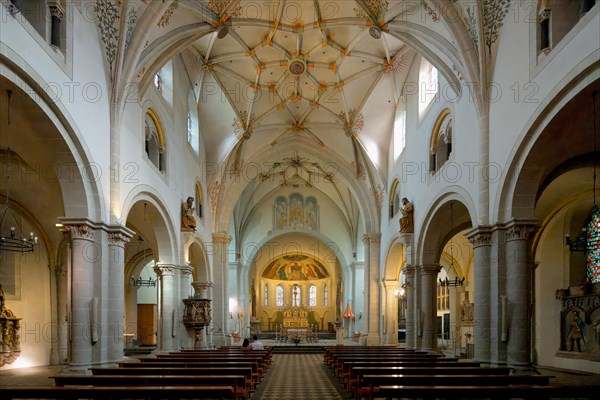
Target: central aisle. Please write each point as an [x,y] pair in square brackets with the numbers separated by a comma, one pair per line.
[299,377]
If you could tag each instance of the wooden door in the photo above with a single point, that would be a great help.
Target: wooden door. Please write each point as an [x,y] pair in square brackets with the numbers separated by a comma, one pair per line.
[147,324]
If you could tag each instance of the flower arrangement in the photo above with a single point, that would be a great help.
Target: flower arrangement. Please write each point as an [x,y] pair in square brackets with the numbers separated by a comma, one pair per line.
[296,339]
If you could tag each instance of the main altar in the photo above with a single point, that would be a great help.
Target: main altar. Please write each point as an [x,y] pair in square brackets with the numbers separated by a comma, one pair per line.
[295,317]
[295,325]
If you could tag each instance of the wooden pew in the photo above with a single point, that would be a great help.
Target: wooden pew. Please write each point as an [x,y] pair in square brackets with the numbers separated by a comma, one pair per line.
[357,373]
[344,374]
[488,392]
[208,359]
[238,370]
[237,382]
[370,383]
[263,356]
[116,392]
[338,362]
[195,364]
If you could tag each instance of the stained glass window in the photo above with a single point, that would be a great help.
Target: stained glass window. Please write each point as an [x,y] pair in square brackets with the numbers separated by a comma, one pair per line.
[593,246]
[312,293]
[296,296]
[279,296]
[266,296]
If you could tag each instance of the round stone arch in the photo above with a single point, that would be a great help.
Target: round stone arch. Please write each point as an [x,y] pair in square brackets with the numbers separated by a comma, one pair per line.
[166,240]
[430,237]
[395,259]
[248,260]
[80,186]
[233,189]
[530,159]
[196,255]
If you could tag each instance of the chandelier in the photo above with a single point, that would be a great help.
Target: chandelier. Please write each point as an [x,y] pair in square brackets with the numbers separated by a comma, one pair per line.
[12,238]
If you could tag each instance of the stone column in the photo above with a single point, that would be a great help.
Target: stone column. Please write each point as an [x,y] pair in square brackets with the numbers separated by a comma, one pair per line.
[117,237]
[429,275]
[391,311]
[83,327]
[57,12]
[373,306]
[185,286]
[60,346]
[480,239]
[167,303]
[411,332]
[202,291]
[518,292]
[220,301]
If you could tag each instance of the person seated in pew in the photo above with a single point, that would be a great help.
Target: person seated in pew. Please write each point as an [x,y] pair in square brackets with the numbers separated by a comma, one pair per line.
[256,344]
[246,344]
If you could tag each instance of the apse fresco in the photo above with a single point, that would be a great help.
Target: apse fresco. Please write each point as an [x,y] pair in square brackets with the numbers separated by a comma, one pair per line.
[295,268]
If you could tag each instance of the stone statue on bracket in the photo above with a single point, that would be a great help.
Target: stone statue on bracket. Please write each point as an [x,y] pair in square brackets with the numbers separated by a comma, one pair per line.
[188,221]
[406,222]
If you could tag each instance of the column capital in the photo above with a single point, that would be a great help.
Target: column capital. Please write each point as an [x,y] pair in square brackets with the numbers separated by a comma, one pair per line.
[56,9]
[119,235]
[410,270]
[480,236]
[430,269]
[407,239]
[164,270]
[221,238]
[81,230]
[371,238]
[390,284]
[520,229]
[186,269]
[201,289]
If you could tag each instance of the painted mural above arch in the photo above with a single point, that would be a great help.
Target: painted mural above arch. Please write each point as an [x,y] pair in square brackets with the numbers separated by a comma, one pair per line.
[295,267]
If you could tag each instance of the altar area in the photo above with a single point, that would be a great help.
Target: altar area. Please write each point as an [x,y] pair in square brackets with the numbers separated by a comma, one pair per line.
[295,326]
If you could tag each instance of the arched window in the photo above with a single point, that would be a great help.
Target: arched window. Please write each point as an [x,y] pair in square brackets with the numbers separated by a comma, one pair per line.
[296,296]
[279,295]
[312,296]
[593,246]
[399,131]
[428,84]
[192,123]
[199,200]
[158,81]
[441,141]
[154,139]
[266,295]
[394,199]
[325,296]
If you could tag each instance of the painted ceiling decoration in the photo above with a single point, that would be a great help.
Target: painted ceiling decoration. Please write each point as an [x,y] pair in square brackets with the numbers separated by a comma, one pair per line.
[295,267]
[325,74]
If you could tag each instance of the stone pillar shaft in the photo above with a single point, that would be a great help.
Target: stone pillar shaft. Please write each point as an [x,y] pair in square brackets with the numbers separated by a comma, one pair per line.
[82,289]
[391,312]
[371,242]
[429,275]
[57,13]
[410,308]
[167,303]
[116,293]
[480,239]
[186,338]
[220,302]
[518,293]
